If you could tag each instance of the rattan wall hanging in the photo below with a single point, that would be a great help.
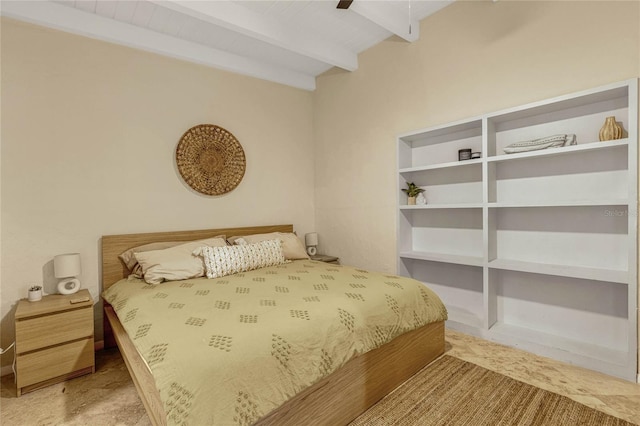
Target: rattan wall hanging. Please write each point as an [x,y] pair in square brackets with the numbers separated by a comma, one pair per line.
[210,159]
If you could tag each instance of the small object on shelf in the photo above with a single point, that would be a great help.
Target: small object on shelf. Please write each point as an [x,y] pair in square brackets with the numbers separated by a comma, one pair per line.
[412,191]
[554,141]
[421,200]
[79,300]
[464,154]
[476,155]
[610,130]
[324,258]
[311,241]
[35,293]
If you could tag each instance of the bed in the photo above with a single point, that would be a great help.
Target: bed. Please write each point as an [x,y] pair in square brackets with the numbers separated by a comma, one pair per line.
[349,390]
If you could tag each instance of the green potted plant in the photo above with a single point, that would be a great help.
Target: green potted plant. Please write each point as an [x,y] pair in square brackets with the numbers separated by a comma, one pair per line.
[412,191]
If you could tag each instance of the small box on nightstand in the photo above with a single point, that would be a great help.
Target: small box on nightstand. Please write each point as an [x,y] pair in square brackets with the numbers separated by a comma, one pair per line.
[54,340]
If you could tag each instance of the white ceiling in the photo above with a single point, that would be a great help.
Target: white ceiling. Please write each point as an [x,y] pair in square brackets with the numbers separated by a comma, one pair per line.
[286,41]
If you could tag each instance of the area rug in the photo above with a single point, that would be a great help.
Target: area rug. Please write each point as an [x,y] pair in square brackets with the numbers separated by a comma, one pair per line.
[454,392]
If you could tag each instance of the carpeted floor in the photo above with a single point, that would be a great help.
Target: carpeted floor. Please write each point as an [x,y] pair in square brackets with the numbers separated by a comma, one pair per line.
[455,392]
[108,397]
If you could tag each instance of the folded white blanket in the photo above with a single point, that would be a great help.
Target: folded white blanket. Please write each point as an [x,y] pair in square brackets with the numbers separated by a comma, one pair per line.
[554,141]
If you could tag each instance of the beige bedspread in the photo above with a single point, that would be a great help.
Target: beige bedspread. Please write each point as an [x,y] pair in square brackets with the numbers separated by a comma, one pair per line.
[230,350]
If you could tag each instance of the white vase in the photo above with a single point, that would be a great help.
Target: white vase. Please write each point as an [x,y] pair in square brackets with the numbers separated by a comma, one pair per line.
[421,200]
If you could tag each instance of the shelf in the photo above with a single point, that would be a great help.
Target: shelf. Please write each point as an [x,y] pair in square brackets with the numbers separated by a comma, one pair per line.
[443,257]
[582,272]
[439,145]
[435,132]
[441,166]
[560,224]
[535,337]
[559,151]
[443,206]
[611,92]
[598,274]
[548,152]
[568,203]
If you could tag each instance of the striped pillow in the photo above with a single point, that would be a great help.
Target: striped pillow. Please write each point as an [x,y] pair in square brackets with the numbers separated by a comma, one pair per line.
[221,261]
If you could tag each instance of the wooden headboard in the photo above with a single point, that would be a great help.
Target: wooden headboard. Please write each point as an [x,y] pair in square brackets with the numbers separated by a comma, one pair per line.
[114,270]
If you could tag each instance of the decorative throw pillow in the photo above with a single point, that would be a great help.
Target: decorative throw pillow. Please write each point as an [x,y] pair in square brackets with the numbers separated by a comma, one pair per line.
[221,261]
[174,263]
[292,247]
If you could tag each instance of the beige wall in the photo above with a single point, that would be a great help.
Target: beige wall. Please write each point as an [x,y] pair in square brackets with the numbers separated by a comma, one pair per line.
[472,58]
[89,131]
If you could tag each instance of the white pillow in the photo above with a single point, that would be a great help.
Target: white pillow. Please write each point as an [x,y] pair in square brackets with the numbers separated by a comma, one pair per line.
[174,263]
[221,261]
[129,259]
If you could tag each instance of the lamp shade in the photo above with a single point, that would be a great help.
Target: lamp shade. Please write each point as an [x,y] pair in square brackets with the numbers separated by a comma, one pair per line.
[311,239]
[67,265]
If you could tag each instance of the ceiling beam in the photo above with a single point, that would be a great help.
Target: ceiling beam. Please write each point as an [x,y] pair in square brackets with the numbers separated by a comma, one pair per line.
[389,18]
[242,20]
[69,19]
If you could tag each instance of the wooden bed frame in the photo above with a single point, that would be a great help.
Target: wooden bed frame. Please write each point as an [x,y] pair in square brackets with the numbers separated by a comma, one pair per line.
[336,400]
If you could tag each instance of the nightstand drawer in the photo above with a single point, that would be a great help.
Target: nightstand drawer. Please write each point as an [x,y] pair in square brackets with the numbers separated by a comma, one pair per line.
[43,365]
[48,330]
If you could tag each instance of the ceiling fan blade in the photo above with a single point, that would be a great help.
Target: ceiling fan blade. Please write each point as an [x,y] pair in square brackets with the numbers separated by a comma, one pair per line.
[344,4]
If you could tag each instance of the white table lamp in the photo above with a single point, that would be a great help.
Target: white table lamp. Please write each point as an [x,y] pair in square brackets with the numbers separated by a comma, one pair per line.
[67,267]
[311,241]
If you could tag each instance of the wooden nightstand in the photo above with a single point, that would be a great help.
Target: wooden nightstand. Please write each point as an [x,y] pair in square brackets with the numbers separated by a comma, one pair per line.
[325,258]
[54,340]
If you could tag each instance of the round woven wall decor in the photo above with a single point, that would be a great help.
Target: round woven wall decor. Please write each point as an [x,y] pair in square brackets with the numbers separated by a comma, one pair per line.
[210,159]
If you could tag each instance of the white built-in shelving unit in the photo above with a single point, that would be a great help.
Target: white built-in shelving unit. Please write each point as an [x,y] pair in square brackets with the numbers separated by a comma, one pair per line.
[538,249]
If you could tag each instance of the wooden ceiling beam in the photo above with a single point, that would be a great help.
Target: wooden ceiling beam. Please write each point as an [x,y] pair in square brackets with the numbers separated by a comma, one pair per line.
[389,18]
[65,18]
[237,18]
